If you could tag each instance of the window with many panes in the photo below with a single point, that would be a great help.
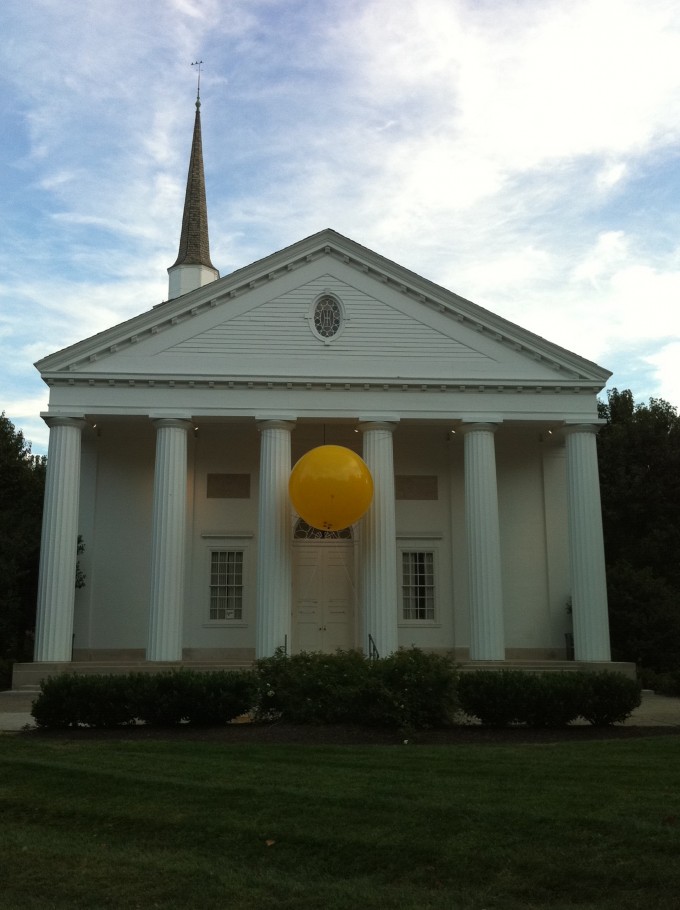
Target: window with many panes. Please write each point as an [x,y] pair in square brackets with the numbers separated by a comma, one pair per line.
[417,584]
[226,584]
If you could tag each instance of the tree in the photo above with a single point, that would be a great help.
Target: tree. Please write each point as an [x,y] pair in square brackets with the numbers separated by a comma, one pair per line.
[22,484]
[639,456]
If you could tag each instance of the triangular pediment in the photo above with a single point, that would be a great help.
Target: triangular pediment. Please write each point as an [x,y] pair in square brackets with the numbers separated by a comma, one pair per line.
[257,325]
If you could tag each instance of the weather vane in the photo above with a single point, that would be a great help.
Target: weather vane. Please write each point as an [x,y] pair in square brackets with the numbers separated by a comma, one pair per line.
[199,64]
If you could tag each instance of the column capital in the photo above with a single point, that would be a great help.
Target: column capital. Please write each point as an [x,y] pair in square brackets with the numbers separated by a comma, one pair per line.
[478,426]
[179,423]
[275,423]
[56,420]
[593,428]
[377,423]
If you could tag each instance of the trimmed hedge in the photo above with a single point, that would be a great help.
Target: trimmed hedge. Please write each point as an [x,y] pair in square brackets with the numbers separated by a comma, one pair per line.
[313,688]
[413,689]
[68,700]
[552,699]
[160,699]
[409,689]
[610,698]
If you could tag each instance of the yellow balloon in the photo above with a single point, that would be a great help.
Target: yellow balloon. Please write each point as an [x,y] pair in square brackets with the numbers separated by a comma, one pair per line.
[330,487]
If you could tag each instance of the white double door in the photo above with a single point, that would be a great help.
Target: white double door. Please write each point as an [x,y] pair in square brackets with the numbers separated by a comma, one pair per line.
[324,596]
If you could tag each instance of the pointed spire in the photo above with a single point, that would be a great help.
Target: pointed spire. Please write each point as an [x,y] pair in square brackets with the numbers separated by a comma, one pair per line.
[193,268]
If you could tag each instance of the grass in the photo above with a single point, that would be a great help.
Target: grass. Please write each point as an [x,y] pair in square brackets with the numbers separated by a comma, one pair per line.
[204,825]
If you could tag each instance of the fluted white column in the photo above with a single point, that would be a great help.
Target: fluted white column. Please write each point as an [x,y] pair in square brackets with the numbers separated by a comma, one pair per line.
[379,591]
[56,586]
[274,572]
[586,546]
[487,635]
[168,540]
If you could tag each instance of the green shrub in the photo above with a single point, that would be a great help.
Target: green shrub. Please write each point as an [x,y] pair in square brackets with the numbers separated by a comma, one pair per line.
[163,699]
[69,700]
[552,699]
[496,697]
[200,698]
[412,689]
[409,689]
[501,697]
[313,688]
[609,698]
[217,698]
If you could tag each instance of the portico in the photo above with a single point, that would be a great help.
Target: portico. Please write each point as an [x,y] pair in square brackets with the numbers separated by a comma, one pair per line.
[180,452]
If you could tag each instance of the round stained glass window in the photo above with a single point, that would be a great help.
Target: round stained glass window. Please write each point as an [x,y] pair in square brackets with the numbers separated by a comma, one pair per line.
[327,316]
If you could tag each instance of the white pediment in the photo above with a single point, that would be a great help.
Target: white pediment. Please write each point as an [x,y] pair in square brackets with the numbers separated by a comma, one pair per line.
[256,324]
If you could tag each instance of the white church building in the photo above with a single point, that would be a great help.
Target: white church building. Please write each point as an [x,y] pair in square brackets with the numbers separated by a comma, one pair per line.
[172,438]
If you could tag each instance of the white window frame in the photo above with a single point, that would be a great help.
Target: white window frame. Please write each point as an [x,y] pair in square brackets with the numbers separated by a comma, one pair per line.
[426,547]
[227,543]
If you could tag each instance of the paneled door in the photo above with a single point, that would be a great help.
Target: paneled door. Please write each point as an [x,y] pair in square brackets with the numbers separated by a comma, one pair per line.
[323,596]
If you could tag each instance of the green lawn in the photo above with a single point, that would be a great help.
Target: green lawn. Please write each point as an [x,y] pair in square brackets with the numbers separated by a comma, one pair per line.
[205,825]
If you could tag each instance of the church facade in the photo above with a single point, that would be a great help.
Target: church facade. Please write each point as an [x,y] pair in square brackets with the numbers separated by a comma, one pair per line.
[172,438]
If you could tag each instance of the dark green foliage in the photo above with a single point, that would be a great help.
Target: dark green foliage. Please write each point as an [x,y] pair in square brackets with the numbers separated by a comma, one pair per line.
[22,483]
[68,700]
[609,698]
[409,689]
[502,697]
[413,689]
[314,688]
[639,457]
[553,699]
[6,673]
[645,617]
[163,699]
[495,697]
[217,698]
[662,683]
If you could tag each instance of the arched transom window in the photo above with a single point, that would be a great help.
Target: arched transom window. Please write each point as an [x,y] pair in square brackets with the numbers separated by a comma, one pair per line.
[304,531]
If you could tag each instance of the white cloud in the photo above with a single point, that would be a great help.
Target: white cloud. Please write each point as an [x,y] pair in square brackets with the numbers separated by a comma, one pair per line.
[503,150]
[666,364]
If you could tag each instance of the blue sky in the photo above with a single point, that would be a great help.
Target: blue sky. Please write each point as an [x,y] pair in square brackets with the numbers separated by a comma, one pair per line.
[525,155]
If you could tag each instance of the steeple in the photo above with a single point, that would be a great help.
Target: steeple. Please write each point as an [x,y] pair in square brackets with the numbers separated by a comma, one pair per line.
[193,268]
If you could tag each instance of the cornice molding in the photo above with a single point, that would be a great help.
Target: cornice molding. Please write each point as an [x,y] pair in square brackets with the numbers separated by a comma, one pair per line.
[80,380]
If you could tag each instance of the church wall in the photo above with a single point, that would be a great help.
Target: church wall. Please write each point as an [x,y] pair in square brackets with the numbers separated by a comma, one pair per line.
[84,596]
[223,459]
[554,470]
[523,552]
[116,526]
[421,454]
[532,510]
[225,478]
